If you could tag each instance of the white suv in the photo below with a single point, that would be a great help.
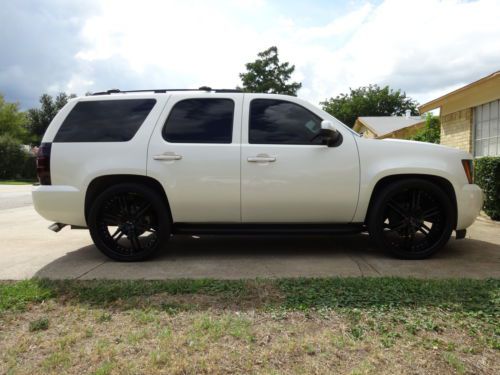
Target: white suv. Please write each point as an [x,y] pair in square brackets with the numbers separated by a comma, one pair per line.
[138,167]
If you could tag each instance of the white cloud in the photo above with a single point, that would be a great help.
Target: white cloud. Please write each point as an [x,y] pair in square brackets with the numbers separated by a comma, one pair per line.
[422,47]
[425,48]
[339,26]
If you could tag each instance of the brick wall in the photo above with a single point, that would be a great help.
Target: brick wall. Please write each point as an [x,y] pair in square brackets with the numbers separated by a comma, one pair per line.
[367,133]
[456,129]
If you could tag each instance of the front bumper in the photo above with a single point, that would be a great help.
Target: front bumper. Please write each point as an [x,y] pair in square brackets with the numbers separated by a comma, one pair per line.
[59,203]
[469,203]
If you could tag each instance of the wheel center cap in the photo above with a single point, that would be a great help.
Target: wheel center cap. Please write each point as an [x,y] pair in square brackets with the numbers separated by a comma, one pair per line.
[127,227]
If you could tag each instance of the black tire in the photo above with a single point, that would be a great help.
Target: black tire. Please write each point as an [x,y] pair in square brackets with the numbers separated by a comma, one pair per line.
[129,222]
[411,219]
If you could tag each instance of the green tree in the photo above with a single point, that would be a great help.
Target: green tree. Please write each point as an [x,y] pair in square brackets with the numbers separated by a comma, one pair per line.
[40,118]
[12,121]
[268,75]
[13,159]
[370,100]
[431,132]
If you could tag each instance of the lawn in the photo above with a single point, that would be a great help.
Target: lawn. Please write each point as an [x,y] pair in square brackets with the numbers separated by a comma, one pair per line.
[285,326]
[17,182]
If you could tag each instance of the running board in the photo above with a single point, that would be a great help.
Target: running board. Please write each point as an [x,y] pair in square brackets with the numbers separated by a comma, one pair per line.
[460,234]
[285,229]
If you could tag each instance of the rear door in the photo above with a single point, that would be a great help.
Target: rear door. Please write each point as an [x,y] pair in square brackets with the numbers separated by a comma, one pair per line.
[194,152]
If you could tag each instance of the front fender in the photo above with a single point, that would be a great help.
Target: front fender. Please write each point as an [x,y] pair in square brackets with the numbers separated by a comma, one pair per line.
[380,159]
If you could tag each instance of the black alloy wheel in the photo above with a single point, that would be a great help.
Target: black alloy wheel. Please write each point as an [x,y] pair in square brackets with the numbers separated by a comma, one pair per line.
[129,222]
[412,219]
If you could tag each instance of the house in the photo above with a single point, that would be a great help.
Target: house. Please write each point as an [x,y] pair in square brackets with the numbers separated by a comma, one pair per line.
[389,126]
[470,118]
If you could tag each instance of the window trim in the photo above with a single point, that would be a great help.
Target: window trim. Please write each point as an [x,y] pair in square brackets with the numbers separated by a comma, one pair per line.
[163,135]
[475,123]
[55,140]
[279,144]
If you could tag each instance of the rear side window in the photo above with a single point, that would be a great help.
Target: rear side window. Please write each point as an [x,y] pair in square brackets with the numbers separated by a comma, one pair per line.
[200,121]
[104,121]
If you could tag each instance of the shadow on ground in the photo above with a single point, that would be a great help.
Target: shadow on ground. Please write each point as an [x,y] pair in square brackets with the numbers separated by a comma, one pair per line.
[236,257]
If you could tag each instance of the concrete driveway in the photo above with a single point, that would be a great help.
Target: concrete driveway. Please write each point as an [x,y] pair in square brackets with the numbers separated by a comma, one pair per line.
[28,249]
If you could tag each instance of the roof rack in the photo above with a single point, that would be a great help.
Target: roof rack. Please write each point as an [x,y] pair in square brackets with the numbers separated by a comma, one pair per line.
[162,91]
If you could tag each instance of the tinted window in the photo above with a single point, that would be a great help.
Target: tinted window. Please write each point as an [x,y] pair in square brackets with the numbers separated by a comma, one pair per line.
[200,121]
[281,122]
[104,121]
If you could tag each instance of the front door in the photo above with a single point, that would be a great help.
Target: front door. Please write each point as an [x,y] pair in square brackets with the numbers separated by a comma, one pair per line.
[287,176]
[194,152]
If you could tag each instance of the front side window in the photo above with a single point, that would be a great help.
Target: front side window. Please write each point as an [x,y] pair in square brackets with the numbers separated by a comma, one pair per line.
[487,129]
[200,121]
[104,120]
[281,122]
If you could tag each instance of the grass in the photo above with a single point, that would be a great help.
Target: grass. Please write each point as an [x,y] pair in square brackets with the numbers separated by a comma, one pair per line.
[41,324]
[17,182]
[15,296]
[328,325]
[292,294]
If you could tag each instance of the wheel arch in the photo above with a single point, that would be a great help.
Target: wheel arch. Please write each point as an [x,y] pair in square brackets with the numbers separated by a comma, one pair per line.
[101,183]
[442,182]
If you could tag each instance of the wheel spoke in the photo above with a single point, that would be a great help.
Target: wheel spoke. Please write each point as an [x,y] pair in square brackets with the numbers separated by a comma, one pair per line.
[142,210]
[424,229]
[397,226]
[415,199]
[412,235]
[134,240]
[122,200]
[111,218]
[117,232]
[401,225]
[431,212]
[396,207]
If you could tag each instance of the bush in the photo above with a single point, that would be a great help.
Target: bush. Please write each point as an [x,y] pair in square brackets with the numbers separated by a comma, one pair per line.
[29,168]
[14,161]
[487,176]
[431,132]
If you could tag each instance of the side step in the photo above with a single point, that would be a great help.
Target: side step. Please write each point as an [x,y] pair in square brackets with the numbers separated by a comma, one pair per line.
[284,229]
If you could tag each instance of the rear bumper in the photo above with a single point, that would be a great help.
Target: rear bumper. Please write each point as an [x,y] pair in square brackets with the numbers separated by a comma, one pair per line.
[469,203]
[59,203]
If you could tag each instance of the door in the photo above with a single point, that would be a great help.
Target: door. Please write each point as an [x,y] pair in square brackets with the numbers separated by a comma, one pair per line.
[287,175]
[195,152]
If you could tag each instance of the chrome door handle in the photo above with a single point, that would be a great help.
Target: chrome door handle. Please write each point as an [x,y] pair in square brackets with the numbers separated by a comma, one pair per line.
[261,159]
[167,156]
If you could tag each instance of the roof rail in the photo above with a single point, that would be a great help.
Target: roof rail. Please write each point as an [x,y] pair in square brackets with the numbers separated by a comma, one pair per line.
[162,91]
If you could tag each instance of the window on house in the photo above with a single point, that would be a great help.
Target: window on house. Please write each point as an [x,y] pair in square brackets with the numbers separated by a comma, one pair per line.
[487,129]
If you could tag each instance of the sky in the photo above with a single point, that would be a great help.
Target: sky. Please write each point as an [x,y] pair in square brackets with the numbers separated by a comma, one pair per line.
[426,48]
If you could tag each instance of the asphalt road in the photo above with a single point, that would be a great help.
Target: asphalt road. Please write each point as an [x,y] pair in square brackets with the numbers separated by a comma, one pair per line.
[28,248]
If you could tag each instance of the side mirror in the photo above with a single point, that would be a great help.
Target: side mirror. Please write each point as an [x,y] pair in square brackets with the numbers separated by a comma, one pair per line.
[330,136]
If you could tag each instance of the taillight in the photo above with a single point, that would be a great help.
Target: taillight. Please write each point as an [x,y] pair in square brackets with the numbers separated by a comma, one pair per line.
[43,164]
[468,168]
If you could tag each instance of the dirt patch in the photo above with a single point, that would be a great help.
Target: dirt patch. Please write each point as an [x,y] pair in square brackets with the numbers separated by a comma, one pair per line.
[183,334]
